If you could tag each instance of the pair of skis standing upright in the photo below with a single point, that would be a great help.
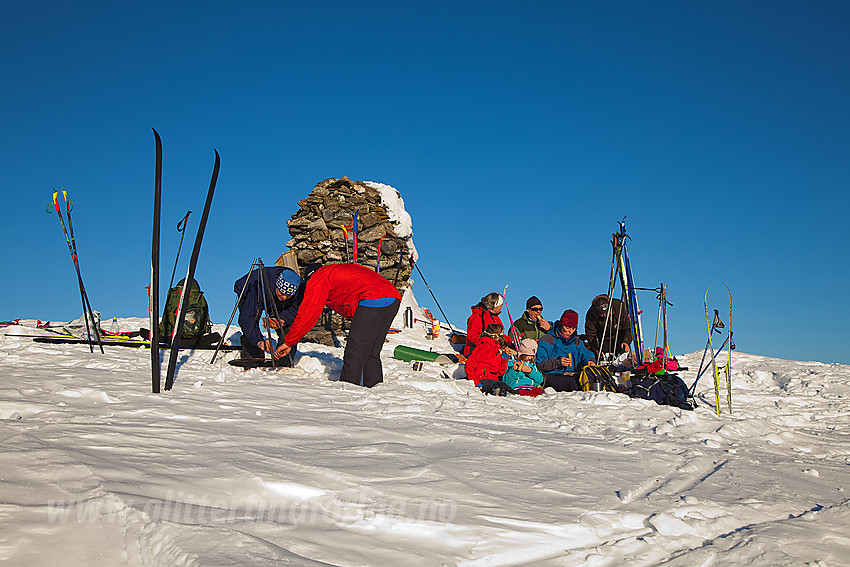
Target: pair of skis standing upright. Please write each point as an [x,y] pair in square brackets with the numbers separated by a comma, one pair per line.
[717,326]
[190,274]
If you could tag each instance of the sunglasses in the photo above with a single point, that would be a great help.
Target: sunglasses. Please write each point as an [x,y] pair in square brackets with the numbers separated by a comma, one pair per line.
[538,309]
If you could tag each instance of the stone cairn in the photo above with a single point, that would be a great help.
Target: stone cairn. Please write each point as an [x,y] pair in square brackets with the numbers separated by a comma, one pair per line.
[318,236]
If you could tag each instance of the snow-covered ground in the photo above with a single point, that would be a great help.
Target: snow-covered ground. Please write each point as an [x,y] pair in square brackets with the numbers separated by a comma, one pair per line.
[295,468]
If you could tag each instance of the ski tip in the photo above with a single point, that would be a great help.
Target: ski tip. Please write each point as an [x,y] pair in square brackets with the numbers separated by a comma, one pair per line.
[156,134]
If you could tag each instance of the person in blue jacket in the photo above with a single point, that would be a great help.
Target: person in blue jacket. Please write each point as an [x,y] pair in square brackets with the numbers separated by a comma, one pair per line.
[524,372]
[285,292]
[561,354]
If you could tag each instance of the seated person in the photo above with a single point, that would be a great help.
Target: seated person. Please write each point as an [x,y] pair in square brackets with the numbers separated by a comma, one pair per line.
[532,325]
[618,331]
[561,355]
[524,372]
[485,313]
[486,360]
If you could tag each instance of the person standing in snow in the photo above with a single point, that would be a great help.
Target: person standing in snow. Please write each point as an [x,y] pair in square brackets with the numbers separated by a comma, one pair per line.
[617,330]
[356,293]
[286,293]
[561,355]
[532,325]
[485,313]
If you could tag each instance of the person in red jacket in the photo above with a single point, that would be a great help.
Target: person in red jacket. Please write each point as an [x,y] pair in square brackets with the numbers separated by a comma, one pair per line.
[485,313]
[486,360]
[356,293]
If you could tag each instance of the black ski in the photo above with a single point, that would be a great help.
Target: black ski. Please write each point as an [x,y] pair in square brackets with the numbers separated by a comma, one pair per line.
[248,363]
[153,298]
[190,275]
[128,343]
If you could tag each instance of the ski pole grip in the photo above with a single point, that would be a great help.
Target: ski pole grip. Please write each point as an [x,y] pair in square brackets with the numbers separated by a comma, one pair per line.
[183,222]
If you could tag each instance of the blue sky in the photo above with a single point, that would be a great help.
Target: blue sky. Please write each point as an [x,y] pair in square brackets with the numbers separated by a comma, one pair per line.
[518,134]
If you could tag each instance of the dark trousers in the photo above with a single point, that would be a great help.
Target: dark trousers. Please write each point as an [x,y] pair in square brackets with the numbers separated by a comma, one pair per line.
[362,357]
[561,382]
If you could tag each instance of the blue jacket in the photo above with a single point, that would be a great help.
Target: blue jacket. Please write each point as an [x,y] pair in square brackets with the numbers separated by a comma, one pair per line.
[515,378]
[251,306]
[553,346]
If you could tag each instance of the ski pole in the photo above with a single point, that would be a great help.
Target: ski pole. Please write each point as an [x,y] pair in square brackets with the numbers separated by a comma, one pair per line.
[432,293]
[729,358]
[72,252]
[664,308]
[611,283]
[71,247]
[235,307]
[702,370]
[69,205]
[513,331]
[378,261]
[400,262]
[264,286]
[182,231]
[345,238]
[276,314]
[354,237]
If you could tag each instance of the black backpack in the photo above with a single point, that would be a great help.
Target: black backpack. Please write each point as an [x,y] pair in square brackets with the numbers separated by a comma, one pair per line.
[665,389]
[197,321]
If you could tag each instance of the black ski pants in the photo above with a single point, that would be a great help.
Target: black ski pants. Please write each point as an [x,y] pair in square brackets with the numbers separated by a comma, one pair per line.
[561,382]
[361,362]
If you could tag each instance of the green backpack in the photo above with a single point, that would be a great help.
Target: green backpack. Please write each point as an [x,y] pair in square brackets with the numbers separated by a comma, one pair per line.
[197,321]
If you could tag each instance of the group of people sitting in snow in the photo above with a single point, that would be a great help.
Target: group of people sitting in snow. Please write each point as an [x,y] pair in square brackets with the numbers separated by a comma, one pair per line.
[548,354]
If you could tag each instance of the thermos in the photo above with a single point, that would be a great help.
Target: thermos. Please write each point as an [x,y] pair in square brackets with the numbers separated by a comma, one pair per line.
[408,317]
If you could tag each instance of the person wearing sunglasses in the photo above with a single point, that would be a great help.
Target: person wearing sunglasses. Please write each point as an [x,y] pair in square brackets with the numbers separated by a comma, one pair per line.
[532,325]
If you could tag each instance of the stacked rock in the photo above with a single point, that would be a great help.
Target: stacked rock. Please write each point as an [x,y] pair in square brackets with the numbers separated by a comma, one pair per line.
[322,232]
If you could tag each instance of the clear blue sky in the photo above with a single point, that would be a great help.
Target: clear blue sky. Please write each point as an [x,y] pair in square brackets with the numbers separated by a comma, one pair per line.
[518,133]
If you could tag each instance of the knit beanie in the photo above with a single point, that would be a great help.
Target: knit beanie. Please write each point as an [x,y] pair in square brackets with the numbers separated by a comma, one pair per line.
[532,301]
[288,282]
[569,319]
[527,346]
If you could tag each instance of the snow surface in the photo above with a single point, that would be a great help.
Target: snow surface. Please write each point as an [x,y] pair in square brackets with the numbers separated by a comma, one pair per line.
[294,468]
[398,215]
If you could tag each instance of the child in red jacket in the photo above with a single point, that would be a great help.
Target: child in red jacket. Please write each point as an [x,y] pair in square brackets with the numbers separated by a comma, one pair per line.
[486,360]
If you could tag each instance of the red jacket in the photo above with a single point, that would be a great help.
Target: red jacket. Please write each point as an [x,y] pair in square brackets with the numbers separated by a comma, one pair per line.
[340,287]
[477,324]
[486,361]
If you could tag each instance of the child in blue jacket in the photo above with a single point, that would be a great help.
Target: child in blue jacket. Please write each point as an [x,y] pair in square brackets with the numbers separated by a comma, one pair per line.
[524,372]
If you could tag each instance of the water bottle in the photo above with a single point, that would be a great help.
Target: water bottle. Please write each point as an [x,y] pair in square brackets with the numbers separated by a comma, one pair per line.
[408,317]
[113,327]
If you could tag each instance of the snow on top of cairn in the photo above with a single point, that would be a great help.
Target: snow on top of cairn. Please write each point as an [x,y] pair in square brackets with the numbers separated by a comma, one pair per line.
[395,208]
[391,198]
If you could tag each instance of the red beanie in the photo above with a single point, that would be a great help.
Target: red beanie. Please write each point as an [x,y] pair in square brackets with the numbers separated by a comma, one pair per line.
[569,319]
